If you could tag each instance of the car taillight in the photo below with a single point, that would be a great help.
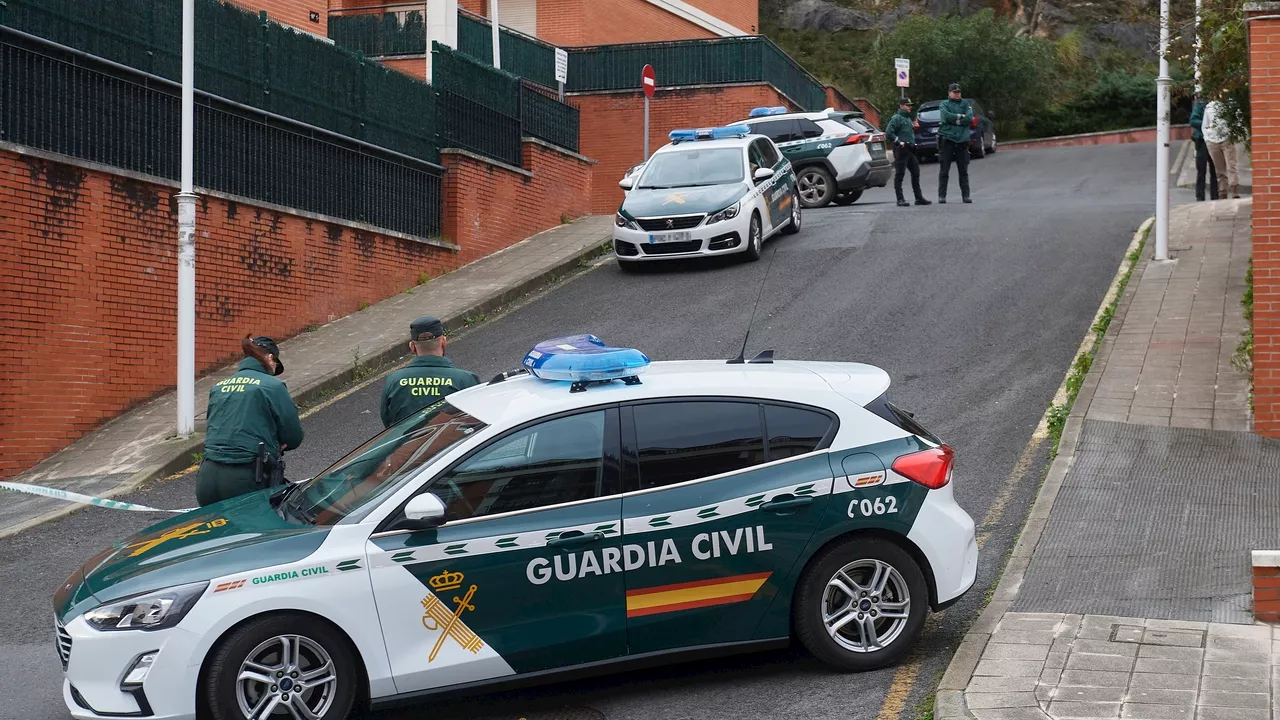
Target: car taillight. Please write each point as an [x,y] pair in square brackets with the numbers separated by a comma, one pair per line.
[915,124]
[855,139]
[974,121]
[931,468]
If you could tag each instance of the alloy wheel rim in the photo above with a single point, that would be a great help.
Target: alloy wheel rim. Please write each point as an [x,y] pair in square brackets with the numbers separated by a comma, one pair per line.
[795,213]
[812,186]
[755,234]
[287,676]
[865,605]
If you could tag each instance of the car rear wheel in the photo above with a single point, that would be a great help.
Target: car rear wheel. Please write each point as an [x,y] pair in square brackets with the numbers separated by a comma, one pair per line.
[993,142]
[793,227]
[978,152]
[848,198]
[289,666]
[817,187]
[861,604]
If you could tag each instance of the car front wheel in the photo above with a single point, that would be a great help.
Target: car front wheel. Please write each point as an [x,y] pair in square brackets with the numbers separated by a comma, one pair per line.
[861,604]
[286,666]
[755,238]
[817,187]
[793,226]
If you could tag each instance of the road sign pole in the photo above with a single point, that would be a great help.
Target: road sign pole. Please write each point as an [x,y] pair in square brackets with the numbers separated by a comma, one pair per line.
[646,128]
[561,91]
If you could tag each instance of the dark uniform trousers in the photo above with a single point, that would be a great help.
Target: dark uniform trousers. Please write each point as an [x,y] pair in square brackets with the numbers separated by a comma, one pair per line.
[218,481]
[904,160]
[1205,163]
[947,152]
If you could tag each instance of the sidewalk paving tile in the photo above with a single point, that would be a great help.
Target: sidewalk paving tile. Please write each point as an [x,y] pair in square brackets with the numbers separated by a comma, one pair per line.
[1220,713]
[1236,670]
[1229,684]
[1215,698]
[1090,661]
[1080,693]
[1008,651]
[1001,700]
[1136,711]
[1083,710]
[1009,668]
[1095,678]
[1161,696]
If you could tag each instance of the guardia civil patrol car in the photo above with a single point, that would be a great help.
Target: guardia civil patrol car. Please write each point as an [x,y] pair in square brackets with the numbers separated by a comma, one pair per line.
[836,154]
[593,512]
[711,191]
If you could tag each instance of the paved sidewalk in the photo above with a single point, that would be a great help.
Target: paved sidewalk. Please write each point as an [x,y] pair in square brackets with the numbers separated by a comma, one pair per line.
[1157,496]
[140,445]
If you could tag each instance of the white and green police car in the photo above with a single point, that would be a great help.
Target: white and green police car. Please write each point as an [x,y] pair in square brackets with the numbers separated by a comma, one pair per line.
[711,191]
[580,517]
[836,154]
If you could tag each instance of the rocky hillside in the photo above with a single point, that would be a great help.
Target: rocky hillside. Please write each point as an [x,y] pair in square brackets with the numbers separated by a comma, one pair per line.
[1125,25]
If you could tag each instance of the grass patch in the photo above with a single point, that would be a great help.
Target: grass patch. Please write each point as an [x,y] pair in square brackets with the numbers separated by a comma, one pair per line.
[362,306]
[359,370]
[197,458]
[424,278]
[1242,358]
[1058,413]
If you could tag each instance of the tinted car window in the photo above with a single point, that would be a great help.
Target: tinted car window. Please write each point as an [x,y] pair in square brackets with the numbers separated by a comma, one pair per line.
[903,419]
[809,128]
[695,166]
[930,115]
[793,430]
[554,462]
[777,130]
[689,440]
[768,153]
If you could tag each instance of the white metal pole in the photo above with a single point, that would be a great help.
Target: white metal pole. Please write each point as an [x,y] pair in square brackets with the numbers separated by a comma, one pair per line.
[426,28]
[495,29]
[187,232]
[646,128]
[1197,50]
[1162,139]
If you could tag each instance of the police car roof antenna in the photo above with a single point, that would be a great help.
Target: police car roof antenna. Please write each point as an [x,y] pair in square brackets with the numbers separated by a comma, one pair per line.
[767,355]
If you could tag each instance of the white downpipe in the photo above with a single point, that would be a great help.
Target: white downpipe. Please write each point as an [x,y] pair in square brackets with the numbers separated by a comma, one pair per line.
[496,30]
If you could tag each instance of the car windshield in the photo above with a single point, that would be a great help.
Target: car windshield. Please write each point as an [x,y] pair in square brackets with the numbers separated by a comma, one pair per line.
[930,115]
[695,166]
[378,465]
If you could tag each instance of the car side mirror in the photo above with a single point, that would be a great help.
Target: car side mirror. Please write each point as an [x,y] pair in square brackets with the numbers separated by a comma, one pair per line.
[626,183]
[762,174]
[423,512]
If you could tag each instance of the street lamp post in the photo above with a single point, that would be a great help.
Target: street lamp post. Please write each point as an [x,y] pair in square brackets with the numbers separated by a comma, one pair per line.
[1196,51]
[1162,139]
[187,232]
[495,29]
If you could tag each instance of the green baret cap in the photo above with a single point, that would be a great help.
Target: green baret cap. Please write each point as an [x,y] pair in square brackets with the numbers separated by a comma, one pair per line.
[955,87]
[270,346]
[426,328]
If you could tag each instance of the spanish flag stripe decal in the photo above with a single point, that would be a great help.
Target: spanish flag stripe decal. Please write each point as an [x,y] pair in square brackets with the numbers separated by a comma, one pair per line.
[703,593]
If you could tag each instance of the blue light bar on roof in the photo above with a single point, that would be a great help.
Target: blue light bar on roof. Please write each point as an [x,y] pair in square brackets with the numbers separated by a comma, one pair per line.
[730,131]
[682,135]
[580,358]
[760,112]
[779,110]
[718,133]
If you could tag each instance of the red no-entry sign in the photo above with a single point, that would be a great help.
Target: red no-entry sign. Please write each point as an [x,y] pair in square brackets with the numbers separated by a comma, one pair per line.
[648,80]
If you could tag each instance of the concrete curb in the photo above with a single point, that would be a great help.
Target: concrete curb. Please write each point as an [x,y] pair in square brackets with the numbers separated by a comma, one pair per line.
[182,453]
[949,703]
[1177,133]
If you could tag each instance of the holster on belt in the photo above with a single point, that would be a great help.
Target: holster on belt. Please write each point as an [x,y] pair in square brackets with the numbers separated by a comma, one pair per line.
[268,471]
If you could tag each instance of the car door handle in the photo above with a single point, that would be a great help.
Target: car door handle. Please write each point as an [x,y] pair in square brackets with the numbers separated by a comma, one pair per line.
[575,538]
[782,506]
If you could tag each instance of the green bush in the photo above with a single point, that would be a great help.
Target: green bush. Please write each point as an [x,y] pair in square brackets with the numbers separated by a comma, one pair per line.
[1118,100]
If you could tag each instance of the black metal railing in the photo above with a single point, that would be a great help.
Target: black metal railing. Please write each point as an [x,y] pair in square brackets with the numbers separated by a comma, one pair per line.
[64,101]
[543,116]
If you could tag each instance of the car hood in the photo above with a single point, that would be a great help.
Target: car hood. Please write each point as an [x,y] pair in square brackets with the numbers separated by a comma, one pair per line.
[235,535]
[681,201]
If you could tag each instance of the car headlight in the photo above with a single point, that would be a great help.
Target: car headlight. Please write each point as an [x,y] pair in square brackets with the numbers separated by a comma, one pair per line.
[148,611]
[728,213]
[623,222]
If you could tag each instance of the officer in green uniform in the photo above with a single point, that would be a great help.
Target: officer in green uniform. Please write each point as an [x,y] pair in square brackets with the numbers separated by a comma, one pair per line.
[427,378]
[902,135]
[953,141]
[248,409]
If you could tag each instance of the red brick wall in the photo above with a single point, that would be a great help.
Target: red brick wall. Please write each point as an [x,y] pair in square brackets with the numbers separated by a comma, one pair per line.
[612,127]
[630,21]
[560,22]
[1264,83]
[89,281]
[742,14]
[513,205]
[1266,594]
[292,12]
[416,66]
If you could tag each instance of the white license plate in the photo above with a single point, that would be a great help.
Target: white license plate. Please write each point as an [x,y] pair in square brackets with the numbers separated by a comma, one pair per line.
[877,147]
[670,237]
[933,131]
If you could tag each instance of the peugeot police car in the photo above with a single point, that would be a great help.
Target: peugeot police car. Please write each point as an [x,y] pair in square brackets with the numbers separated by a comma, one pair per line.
[836,154]
[711,191]
[592,511]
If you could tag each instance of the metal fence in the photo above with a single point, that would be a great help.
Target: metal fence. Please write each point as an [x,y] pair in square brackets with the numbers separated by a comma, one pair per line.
[63,101]
[522,55]
[543,116]
[244,58]
[694,62]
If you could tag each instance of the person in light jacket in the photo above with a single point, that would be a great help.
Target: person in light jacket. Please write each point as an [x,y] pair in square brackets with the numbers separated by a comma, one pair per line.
[1221,152]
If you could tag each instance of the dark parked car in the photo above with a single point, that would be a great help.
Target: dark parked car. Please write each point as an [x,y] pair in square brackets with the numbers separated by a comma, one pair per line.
[928,121]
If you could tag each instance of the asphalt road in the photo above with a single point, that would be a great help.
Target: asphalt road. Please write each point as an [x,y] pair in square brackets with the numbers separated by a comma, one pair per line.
[974,310]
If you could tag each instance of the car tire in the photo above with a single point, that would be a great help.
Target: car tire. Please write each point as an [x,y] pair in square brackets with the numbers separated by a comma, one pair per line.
[290,647]
[820,599]
[816,186]
[794,225]
[848,198]
[993,142]
[979,152]
[755,238]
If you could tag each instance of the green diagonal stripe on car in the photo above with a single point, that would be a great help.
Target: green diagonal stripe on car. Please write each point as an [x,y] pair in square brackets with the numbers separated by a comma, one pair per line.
[710,512]
[402,557]
[349,565]
[755,501]
[606,529]
[804,490]
[660,521]
[507,542]
[459,549]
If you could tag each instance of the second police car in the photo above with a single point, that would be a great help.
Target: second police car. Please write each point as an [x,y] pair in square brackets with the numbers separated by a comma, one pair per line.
[593,513]
[711,191]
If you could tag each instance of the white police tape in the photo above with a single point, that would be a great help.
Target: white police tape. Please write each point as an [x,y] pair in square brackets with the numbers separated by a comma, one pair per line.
[82,499]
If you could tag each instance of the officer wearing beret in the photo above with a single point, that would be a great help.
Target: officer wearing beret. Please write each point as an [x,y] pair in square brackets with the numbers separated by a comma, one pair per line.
[427,378]
[252,420]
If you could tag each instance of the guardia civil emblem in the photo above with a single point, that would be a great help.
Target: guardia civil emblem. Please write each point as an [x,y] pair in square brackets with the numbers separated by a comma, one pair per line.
[439,617]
